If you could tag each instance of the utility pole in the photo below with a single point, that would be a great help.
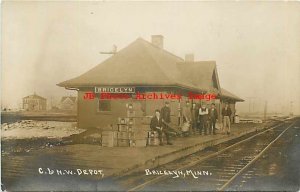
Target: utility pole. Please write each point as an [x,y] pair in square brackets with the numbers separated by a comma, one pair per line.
[51,102]
[291,109]
[251,104]
[265,110]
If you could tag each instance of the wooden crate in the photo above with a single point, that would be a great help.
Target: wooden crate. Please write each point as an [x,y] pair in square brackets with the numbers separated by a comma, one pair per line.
[132,128]
[130,113]
[130,121]
[153,134]
[122,120]
[109,139]
[109,133]
[122,135]
[122,128]
[123,142]
[125,135]
[153,141]
[140,142]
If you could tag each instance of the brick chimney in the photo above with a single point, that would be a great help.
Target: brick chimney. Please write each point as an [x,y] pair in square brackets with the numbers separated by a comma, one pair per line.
[189,57]
[158,41]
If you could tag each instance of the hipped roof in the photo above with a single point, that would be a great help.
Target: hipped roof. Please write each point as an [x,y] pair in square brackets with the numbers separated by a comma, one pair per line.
[200,74]
[143,64]
[226,94]
[35,96]
[72,98]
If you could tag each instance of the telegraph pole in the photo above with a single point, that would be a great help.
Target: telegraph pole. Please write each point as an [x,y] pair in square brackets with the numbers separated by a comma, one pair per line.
[251,104]
[291,108]
[265,110]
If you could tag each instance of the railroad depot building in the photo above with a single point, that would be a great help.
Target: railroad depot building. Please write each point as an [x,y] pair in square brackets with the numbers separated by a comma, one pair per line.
[143,67]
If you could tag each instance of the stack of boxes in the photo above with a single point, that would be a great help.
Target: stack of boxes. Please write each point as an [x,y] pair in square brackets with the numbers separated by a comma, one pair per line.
[140,135]
[132,132]
[125,131]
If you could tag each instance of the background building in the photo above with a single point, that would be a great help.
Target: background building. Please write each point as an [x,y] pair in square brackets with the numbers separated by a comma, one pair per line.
[34,103]
[68,103]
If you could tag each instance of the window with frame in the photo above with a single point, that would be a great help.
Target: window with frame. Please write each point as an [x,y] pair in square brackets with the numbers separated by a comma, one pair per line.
[104,105]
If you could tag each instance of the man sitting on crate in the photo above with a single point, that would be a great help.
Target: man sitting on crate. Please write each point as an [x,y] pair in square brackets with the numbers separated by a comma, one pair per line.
[157,125]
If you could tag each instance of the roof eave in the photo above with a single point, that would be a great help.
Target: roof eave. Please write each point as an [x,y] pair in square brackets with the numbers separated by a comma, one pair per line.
[233,99]
[76,87]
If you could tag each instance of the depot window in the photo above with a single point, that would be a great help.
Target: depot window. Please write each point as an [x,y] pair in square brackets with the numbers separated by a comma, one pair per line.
[104,105]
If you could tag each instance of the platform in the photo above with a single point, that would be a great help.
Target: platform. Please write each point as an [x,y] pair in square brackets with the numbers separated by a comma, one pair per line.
[116,161]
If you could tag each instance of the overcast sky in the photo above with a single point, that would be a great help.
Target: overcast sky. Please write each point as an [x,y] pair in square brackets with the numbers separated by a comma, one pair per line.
[256,45]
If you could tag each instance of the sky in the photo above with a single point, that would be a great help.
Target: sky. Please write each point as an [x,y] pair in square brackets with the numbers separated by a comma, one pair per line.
[256,45]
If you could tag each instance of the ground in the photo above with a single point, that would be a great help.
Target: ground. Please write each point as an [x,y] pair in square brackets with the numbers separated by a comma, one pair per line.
[52,154]
[27,135]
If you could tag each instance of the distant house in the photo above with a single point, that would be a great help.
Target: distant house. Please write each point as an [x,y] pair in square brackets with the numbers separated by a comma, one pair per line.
[34,103]
[68,103]
[146,67]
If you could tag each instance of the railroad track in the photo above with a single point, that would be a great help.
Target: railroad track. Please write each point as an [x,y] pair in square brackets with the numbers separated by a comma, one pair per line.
[270,171]
[224,165]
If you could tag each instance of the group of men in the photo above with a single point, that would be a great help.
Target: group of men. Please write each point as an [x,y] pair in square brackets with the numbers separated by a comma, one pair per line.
[201,120]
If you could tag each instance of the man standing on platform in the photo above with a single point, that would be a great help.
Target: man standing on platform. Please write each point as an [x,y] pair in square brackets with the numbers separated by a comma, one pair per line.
[213,116]
[166,113]
[166,118]
[203,115]
[187,114]
[187,119]
[226,113]
[195,114]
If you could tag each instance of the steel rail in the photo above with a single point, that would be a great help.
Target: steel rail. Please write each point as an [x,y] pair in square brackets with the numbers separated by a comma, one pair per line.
[162,177]
[254,159]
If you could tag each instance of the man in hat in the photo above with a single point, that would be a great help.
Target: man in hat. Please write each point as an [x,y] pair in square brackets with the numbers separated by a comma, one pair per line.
[203,115]
[226,113]
[166,118]
[213,116]
[195,113]
[187,115]
[157,125]
[166,113]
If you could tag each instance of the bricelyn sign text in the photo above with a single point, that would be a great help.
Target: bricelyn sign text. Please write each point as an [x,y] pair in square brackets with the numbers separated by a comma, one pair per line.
[114,89]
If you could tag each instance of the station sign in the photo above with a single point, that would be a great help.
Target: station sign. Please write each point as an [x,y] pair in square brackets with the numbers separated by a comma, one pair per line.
[114,90]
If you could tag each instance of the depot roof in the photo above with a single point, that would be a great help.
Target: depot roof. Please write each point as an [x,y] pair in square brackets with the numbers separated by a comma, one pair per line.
[143,64]
[227,95]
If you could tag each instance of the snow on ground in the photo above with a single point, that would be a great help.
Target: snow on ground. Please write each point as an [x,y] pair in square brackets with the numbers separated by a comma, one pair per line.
[29,129]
